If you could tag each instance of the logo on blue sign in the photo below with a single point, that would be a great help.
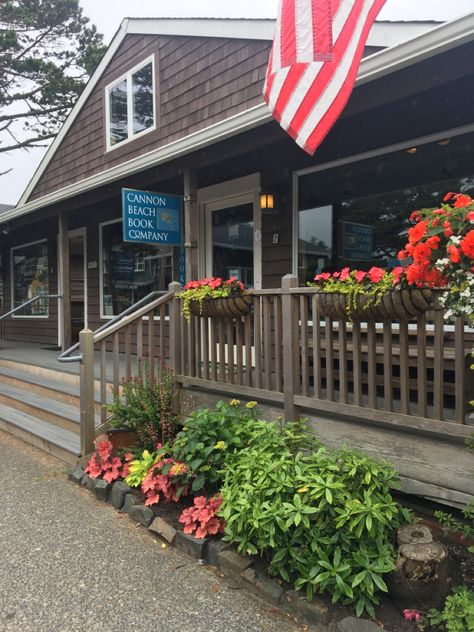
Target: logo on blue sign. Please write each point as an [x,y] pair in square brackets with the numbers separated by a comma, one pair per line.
[151,218]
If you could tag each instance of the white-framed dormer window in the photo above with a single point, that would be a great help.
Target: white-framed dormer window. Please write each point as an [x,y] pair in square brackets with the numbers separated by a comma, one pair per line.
[130,109]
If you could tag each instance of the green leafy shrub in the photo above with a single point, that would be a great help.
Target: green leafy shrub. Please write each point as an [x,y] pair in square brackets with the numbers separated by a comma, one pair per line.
[146,406]
[325,517]
[209,436]
[457,614]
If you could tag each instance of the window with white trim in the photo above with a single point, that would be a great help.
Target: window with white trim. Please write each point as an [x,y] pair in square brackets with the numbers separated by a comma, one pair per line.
[130,105]
[29,269]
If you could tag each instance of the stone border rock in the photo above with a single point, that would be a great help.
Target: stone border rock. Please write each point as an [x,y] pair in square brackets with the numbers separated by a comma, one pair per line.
[235,567]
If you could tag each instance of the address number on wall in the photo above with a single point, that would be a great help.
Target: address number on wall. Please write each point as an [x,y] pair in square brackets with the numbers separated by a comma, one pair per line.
[91,265]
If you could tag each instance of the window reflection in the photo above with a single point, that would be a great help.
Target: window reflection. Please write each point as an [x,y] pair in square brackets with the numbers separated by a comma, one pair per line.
[372,200]
[30,278]
[118,113]
[314,242]
[142,87]
[232,243]
[131,105]
[131,271]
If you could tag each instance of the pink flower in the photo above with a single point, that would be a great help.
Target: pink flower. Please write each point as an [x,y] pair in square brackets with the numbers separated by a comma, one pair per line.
[215,283]
[411,615]
[376,274]
[396,272]
[345,274]
[360,275]
[324,276]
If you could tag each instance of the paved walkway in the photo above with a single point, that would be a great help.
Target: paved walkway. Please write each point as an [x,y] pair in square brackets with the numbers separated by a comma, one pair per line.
[69,563]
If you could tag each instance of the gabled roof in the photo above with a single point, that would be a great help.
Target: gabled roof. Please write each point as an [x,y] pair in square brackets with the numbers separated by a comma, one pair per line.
[411,42]
[6,207]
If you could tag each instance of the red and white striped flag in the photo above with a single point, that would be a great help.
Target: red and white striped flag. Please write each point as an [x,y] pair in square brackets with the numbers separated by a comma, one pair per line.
[313,64]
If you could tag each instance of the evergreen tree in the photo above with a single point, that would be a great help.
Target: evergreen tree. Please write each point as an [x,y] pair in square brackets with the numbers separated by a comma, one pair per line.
[48,50]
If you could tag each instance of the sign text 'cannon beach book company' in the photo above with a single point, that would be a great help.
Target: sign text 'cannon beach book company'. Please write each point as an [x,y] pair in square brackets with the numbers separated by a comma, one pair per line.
[151,218]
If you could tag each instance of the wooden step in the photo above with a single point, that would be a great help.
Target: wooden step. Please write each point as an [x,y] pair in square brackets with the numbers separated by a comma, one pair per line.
[55,388]
[45,407]
[57,375]
[59,442]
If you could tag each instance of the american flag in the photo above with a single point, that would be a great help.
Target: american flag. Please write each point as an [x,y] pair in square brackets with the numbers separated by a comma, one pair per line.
[313,65]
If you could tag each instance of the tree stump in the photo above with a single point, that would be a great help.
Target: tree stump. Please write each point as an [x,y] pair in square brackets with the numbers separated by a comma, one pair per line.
[414,534]
[421,579]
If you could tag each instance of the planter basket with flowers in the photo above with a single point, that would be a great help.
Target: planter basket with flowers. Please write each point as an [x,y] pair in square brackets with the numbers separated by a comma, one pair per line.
[216,298]
[374,295]
[441,247]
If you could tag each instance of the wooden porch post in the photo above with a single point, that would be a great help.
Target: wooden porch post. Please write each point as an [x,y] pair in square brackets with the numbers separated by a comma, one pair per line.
[86,346]
[191,224]
[175,339]
[64,280]
[290,348]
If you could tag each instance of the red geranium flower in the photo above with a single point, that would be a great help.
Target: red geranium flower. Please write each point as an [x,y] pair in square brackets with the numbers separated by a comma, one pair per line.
[416,232]
[454,253]
[421,252]
[467,244]
[376,274]
[462,200]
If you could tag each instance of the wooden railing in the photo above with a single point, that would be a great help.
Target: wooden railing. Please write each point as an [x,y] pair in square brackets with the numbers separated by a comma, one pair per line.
[408,372]
[140,341]
[285,352]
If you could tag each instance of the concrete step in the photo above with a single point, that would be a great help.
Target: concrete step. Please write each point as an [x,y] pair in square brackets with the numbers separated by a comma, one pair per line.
[60,442]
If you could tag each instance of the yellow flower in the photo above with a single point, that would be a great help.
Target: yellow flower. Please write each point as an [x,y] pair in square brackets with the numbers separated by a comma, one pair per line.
[178,468]
[234,402]
[302,490]
[220,445]
[250,404]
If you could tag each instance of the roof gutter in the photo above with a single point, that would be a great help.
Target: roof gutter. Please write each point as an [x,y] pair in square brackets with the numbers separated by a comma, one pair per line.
[440,39]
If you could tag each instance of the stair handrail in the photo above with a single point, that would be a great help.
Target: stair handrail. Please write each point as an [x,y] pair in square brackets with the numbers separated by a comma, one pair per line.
[28,302]
[148,302]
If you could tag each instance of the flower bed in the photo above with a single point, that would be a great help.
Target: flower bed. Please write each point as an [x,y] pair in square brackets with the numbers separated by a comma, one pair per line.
[317,520]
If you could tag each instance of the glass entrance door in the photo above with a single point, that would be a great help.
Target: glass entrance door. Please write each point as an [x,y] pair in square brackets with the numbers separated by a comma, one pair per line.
[232,242]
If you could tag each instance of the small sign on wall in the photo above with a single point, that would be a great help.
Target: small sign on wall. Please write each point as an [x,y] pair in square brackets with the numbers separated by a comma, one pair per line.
[357,241]
[151,218]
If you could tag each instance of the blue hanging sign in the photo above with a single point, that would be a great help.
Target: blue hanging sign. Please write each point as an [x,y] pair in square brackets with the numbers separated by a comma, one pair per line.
[151,218]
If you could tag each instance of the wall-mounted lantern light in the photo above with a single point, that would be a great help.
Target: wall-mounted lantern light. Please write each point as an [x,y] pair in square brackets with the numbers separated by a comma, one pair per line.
[267,201]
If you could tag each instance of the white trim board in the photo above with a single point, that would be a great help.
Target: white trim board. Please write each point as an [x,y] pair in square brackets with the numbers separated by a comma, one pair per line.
[437,40]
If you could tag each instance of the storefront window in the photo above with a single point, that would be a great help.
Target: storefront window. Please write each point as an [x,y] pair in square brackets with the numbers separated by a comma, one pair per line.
[368,203]
[30,278]
[130,271]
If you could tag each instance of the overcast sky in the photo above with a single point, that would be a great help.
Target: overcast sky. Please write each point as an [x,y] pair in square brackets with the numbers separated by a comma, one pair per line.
[107,15]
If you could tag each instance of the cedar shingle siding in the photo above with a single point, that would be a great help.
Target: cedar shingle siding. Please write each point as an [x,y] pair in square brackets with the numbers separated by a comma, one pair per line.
[200,81]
